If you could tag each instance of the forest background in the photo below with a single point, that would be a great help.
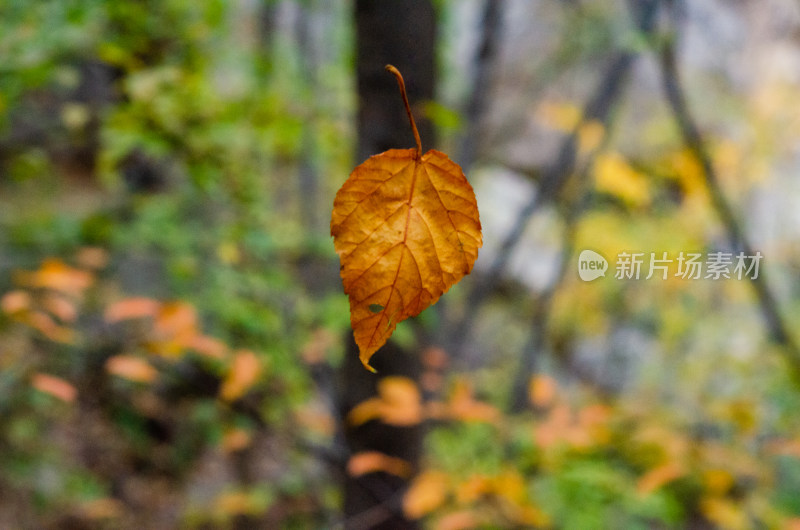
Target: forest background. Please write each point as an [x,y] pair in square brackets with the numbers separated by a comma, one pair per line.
[175,345]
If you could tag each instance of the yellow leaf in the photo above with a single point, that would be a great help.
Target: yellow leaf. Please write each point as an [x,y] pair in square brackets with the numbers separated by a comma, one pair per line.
[472,489]
[724,513]
[560,116]
[237,503]
[243,374]
[372,461]
[428,492]
[406,228]
[510,485]
[132,368]
[55,386]
[718,481]
[590,136]
[689,173]
[613,175]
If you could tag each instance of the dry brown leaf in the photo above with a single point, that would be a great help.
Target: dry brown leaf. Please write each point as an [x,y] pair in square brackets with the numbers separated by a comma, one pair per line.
[103,508]
[92,257]
[406,228]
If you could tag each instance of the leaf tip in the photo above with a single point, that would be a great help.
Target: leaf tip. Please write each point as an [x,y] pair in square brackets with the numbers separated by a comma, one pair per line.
[365,362]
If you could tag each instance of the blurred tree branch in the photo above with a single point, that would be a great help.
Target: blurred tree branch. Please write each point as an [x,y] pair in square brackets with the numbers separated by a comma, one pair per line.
[485,62]
[692,138]
[553,178]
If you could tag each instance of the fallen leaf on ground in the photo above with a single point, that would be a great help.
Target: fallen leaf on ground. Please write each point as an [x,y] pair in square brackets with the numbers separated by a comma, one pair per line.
[55,386]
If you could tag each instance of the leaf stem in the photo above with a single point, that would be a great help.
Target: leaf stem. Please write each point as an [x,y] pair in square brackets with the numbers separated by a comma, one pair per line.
[394,71]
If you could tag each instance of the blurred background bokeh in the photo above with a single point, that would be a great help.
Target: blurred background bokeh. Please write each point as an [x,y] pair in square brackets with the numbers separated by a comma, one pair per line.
[175,345]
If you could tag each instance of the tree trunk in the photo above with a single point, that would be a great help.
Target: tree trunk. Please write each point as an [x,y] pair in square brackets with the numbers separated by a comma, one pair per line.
[402,33]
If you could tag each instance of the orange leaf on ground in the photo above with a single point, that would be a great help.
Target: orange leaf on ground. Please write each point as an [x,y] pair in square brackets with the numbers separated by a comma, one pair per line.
[55,386]
[15,302]
[243,374]
[372,461]
[60,307]
[542,390]
[174,329]
[132,368]
[45,324]
[463,405]
[461,520]
[208,346]
[428,492]
[57,275]
[399,402]
[659,476]
[129,308]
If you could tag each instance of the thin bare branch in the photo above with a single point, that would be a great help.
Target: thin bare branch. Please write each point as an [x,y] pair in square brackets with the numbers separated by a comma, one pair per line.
[692,138]
[598,108]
